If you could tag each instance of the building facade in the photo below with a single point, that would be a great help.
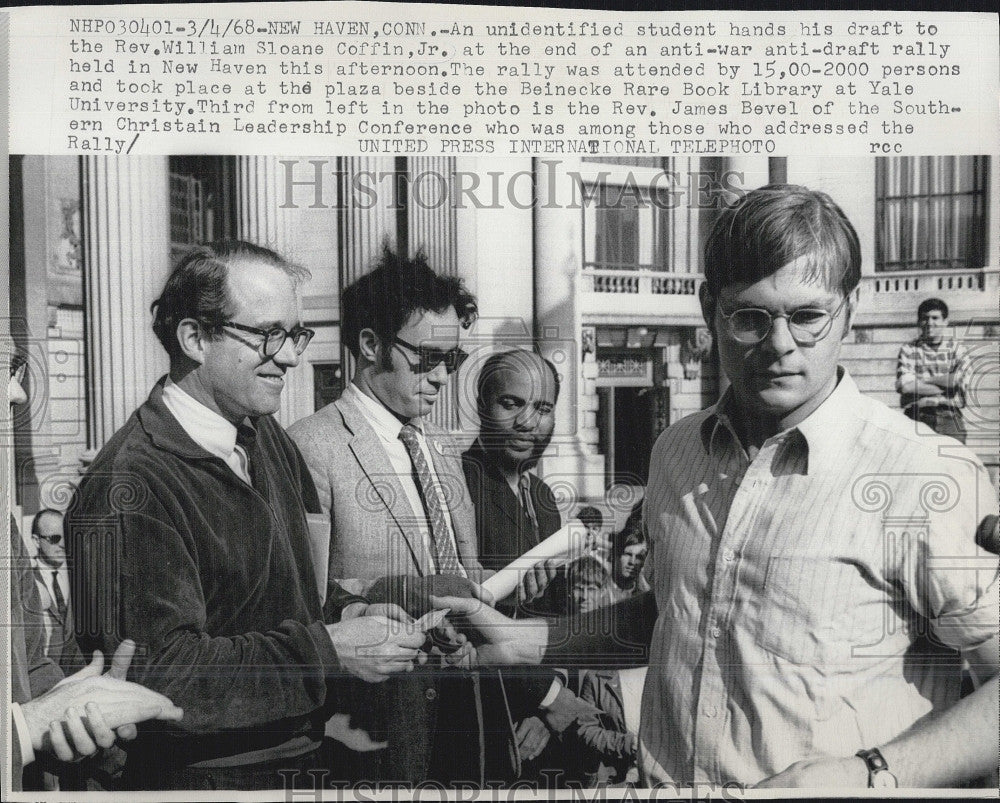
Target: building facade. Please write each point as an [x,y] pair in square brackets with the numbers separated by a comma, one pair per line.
[597,260]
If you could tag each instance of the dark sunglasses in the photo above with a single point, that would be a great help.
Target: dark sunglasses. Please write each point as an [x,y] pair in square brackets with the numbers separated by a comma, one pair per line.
[430,357]
[51,539]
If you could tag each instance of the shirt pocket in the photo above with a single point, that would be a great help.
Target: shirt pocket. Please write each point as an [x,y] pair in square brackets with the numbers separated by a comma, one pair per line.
[802,610]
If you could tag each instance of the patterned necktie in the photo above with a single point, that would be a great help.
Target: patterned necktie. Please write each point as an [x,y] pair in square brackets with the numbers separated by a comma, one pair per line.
[524,486]
[444,550]
[58,594]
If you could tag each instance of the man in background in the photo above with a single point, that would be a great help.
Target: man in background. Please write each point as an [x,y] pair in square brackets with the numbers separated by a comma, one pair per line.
[52,579]
[932,373]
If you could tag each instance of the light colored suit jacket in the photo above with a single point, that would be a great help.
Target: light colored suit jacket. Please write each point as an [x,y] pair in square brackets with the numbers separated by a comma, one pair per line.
[373,530]
[374,534]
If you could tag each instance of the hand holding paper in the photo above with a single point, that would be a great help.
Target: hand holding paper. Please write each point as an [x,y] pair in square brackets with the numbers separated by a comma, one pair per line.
[563,545]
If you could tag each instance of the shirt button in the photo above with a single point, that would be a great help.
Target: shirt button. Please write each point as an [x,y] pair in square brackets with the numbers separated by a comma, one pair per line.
[729,555]
[431,694]
[715,632]
[710,711]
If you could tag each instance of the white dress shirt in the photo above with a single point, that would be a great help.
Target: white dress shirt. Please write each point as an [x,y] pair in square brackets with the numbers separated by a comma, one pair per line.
[388,427]
[207,428]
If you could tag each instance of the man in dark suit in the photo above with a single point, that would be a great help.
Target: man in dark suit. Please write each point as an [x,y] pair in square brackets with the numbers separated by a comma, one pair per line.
[52,580]
[516,397]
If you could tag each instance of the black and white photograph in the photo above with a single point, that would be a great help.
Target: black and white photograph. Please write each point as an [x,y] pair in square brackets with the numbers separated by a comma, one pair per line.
[589,471]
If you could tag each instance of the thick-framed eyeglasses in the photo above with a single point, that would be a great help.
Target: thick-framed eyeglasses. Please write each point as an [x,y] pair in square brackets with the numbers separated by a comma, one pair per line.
[274,339]
[430,357]
[806,326]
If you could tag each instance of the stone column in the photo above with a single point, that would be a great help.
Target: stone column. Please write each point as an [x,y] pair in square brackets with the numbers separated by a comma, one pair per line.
[126,261]
[260,219]
[431,227]
[365,225]
[573,460]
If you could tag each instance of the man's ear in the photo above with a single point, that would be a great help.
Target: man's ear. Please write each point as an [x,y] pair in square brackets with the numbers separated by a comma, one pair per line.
[191,338]
[852,308]
[708,303]
[369,345]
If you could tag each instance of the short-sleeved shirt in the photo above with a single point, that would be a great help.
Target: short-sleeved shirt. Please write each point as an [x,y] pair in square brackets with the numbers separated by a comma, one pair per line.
[812,600]
[924,361]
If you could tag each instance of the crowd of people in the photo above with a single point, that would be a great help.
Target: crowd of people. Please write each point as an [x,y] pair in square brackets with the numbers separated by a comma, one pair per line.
[307,606]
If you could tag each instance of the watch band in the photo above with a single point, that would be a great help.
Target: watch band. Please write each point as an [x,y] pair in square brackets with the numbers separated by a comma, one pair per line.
[879,776]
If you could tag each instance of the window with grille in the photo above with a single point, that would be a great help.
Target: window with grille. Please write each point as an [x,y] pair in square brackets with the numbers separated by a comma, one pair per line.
[931,213]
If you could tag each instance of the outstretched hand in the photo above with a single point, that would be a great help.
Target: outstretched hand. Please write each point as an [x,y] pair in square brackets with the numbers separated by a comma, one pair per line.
[88,710]
[504,641]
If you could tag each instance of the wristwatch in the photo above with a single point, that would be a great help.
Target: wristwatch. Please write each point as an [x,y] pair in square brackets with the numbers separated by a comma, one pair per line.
[879,776]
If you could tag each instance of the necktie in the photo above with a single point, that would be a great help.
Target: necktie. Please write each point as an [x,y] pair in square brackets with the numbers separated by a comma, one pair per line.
[246,437]
[444,550]
[524,486]
[58,594]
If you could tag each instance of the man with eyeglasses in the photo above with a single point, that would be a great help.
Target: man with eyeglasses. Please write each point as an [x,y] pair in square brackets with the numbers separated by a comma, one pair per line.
[191,534]
[399,510]
[813,566]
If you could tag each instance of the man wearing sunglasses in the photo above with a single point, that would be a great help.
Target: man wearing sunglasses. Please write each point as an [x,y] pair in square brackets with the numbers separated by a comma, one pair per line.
[398,506]
[191,529]
[52,580]
[814,571]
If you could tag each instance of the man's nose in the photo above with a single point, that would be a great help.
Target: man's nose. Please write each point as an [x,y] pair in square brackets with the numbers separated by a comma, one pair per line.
[779,339]
[439,375]
[287,355]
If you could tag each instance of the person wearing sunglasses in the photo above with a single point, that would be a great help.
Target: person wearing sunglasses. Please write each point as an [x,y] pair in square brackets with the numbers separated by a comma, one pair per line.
[204,555]
[395,493]
[52,580]
[813,566]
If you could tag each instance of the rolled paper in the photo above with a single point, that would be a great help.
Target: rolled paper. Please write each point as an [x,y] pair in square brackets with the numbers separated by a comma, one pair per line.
[565,544]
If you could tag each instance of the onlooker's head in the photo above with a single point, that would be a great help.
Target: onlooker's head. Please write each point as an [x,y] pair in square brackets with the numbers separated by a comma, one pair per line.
[47,530]
[401,322]
[586,581]
[15,385]
[593,520]
[516,398]
[229,318]
[932,318]
[780,268]
[628,550]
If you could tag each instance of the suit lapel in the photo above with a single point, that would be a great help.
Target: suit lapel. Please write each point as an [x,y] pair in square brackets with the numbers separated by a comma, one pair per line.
[367,450]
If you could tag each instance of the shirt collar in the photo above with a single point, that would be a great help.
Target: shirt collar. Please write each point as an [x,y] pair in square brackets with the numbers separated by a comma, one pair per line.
[207,428]
[822,433]
[385,424]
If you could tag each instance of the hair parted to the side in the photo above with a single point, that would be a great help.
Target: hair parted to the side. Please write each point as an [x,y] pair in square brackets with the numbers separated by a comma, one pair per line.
[502,361]
[197,288]
[777,224]
[384,299]
[932,305]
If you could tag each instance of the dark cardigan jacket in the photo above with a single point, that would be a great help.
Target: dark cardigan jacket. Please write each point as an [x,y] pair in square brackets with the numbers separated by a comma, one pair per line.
[213,580]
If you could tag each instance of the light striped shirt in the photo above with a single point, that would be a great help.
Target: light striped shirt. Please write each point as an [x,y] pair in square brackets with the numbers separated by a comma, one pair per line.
[809,599]
[920,360]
